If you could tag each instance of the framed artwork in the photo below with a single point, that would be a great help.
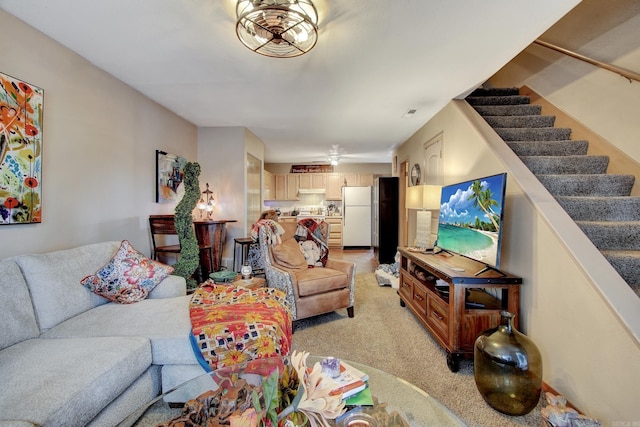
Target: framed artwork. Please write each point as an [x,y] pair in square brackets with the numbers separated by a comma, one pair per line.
[21,108]
[169,177]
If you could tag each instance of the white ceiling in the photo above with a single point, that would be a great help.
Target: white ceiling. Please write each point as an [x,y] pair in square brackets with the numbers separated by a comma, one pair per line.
[374,60]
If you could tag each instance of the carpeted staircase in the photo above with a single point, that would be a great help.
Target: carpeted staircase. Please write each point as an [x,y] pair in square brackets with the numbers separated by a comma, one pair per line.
[598,202]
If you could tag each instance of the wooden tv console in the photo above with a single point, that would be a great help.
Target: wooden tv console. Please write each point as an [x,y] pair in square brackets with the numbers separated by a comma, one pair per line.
[453,301]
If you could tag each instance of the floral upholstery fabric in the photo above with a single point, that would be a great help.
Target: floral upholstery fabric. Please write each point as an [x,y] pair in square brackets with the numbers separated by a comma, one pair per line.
[128,276]
[255,259]
[232,324]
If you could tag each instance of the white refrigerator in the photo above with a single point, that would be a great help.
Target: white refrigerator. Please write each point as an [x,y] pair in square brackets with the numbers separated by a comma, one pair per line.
[356,216]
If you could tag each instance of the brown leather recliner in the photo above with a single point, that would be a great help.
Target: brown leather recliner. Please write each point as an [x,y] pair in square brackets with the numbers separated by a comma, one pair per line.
[310,291]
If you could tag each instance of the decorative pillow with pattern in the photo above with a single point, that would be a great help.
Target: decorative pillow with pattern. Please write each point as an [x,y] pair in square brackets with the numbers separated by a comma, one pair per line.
[128,276]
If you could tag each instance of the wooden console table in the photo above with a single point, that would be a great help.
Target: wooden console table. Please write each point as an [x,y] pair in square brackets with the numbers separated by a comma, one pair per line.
[211,232]
[452,302]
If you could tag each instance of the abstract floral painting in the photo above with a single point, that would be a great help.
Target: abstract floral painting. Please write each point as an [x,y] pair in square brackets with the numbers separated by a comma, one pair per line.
[169,176]
[21,108]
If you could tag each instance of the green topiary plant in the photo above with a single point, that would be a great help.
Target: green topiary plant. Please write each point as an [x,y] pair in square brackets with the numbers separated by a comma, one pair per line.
[189,251]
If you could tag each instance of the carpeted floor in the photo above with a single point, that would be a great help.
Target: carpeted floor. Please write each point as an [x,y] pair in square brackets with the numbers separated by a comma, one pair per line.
[388,337]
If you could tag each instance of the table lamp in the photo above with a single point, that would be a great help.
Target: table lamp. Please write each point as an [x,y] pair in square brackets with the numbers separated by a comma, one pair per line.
[208,204]
[425,198]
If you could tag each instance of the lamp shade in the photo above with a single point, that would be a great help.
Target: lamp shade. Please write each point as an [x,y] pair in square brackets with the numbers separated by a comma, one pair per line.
[423,197]
[431,196]
[277,28]
[414,197]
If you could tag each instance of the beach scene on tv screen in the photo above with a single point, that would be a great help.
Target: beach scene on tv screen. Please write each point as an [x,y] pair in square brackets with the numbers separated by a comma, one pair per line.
[470,218]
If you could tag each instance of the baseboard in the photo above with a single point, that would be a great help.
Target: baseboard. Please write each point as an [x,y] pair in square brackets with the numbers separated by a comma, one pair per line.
[548,389]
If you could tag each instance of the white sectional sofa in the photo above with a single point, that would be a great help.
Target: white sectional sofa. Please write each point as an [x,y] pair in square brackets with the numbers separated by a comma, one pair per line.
[69,357]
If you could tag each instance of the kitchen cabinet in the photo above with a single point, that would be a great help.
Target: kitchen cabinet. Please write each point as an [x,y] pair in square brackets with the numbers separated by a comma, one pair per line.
[365,179]
[286,186]
[287,219]
[335,231]
[292,186]
[333,187]
[280,186]
[352,179]
[268,190]
[312,181]
[454,304]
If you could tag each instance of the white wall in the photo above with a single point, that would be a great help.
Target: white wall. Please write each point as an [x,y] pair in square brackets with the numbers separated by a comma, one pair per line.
[587,354]
[100,138]
[222,157]
[605,102]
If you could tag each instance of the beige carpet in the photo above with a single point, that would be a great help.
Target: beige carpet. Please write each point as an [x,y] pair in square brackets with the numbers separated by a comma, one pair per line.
[388,337]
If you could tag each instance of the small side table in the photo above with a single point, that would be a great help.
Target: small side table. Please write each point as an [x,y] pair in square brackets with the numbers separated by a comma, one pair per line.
[254,283]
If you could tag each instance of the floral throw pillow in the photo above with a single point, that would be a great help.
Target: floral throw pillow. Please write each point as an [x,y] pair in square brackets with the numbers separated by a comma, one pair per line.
[128,276]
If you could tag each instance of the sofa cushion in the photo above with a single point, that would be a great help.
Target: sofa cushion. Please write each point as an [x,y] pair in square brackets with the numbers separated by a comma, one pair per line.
[172,286]
[67,382]
[53,280]
[128,276]
[17,319]
[288,255]
[146,388]
[314,281]
[164,321]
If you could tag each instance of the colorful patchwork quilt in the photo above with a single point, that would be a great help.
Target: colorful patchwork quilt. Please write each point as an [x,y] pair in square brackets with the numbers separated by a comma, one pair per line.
[316,231]
[231,324]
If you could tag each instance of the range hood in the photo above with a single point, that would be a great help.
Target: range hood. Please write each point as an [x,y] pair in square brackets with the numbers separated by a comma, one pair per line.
[311,191]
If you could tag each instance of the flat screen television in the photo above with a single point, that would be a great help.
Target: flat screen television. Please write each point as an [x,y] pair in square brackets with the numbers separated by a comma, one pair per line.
[470,221]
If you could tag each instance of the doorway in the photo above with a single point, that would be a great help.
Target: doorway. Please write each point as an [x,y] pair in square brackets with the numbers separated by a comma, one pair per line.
[403,238]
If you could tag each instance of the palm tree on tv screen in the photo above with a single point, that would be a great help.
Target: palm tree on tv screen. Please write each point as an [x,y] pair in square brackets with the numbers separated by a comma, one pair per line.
[483,198]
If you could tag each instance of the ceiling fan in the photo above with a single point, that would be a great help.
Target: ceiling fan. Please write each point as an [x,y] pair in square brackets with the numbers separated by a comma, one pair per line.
[335,155]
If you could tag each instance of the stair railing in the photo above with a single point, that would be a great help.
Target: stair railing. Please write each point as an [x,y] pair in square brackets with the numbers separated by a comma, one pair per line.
[629,75]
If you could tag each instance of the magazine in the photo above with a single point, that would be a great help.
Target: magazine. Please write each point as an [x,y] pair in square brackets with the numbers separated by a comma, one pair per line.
[349,382]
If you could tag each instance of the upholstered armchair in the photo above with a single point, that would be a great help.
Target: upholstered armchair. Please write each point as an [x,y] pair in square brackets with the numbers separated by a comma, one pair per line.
[310,291]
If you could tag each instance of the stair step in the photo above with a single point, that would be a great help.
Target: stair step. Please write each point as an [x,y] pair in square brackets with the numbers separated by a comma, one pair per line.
[612,235]
[496,91]
[568,147]
[600,203]
[534,121]
[498,100]
[566,164]
[601,208]
[588,185]
[627,264]
[508,110]
[534,134]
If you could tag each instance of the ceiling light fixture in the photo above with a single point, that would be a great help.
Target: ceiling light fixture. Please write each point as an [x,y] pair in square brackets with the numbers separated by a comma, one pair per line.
[334,155]
[277,28]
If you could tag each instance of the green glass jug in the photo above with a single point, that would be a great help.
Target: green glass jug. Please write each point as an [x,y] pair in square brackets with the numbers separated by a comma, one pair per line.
[508,368]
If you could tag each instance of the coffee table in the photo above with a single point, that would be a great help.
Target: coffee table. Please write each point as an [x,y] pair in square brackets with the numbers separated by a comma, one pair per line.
[414,405]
